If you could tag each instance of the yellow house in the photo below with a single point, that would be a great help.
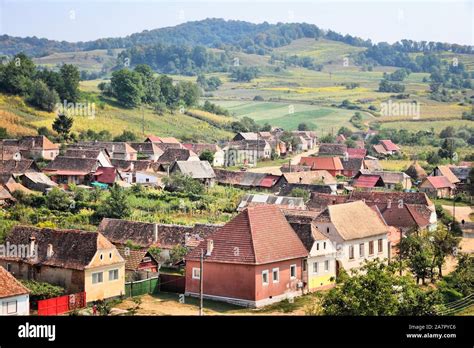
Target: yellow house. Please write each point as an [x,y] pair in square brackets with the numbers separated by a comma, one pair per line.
[76,260]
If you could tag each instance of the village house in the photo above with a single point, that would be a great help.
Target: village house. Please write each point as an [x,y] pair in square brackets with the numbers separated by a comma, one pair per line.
[139,264]
[116,150]
[260,249]
[35,147]
[251,200]
[351,166]
[101,155]
[244,179]
[172,155]
[315,177]
[358,231]
[388,180]
[144,235]
[320,270]
[332,150]
[356,152]
[416,172]
[198,149]
[437,187]
[70,170]
[307,139]
[14,296]
[8,182]
[332,164]
[5,197]
[294,168]
[198,170]
[147,151]
[18,168]
[76,260]
[446,172]
[372,164]
[464,184]
[246,152]
[9,152]
[139,172]
[37,181]
[386,148]
[161,140]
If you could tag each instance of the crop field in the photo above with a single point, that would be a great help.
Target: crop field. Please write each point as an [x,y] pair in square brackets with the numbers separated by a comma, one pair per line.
[288,116]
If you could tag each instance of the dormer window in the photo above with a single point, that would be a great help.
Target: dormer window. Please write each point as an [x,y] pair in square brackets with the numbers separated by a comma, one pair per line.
[101,256]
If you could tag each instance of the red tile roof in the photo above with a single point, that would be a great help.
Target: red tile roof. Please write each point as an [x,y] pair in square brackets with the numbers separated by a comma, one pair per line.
[389,145]
[439,182]
[258,235]
[106,175]
[356,153]
[367,181]
[269,180]
[322,163]
[9,285]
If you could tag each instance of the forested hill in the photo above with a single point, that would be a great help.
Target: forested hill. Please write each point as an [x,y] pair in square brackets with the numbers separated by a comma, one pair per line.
[214,33]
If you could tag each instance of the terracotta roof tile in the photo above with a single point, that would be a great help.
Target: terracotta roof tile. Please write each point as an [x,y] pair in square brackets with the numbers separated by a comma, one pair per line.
[9,285]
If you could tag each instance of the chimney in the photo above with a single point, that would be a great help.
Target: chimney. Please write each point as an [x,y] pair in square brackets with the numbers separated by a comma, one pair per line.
[49,252]
[210,247]
[389,204]
[155,233]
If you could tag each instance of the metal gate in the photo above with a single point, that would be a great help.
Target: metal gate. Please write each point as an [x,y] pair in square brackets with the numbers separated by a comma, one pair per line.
[62,304]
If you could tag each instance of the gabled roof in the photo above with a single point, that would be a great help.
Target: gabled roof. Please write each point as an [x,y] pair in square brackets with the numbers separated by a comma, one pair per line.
[389,145]
[133,258]
[5,195]
[106,175]
[252,144]
[111,146]
[165,140]
[247,135]
[38,142]
[446,172]
[132,166]
[405,215]
[10,286]
[356,153]
[62,165]
[143,234]
[72,249]
[40,178]
[248,179]
[85,152]
[194,169]
[389,177]
[353,163]
[9,152]
[171,155]
[322,163]
[461,172]
[18,167]
[380,149]
[310,177]
[372,164]
[148,148]
[354,220]
[332,149]
[258,199]
[199,148]
[368,181]
[261,235]
[437,182]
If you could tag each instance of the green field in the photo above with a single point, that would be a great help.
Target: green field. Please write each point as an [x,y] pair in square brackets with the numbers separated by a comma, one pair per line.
[323,119]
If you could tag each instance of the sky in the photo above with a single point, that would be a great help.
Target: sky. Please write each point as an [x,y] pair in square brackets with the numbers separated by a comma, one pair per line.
[379,20]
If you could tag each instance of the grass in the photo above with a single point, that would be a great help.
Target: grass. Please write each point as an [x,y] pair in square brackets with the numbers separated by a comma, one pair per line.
[468,311]
[289,115]
[398,165]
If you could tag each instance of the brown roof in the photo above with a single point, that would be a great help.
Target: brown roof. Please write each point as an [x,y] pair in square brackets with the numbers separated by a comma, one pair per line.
[380,149]
[199,148]
[142,234]
[258,145]
[72,249]
[259,234]
[18,167]
[372,164]
[139,165]
[354,220]
[322,163]
[332,149]
[70,165]
[84,152]
[8,152]
[311,177]
[10,286]
[353,164]
[171,155]
[38,142]
[383,197]
[405,215]
[147,148]
[437,182]
[111,146]
[133,258]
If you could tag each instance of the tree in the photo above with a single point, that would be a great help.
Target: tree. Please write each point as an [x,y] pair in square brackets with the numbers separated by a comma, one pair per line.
[444,244]
[58,200]
[42,97]
[70,87]
[447,148]
[303,127]
[207,155]
[178,182]
[127,87]
[116,205]
[417,249]
[126,136]
[377,289]
[3,133]
[300,192]
[62,125]
[344,131]
[16,77]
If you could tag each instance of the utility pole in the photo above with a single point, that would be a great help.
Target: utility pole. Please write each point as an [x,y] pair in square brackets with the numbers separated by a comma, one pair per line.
[201,283]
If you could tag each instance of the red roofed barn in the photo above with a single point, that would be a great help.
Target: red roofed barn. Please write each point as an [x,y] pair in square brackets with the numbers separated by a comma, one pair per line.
[254,260]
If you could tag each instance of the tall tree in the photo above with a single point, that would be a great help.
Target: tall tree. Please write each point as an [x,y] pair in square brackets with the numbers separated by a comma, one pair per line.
[62,125]
[70,87]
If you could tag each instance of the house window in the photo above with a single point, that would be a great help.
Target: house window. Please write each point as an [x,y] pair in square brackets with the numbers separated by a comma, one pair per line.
[327,229]
[317,246]
[361,250]
[371,247]
[113,274]
[315,267]
[292,271]
[10,307]
[110,256]
[265,277]
[324,245]
[276,275]
[101,256]
[9,267]
[97,277]
[304,265]
[380,246]
[351,252]
[196,273]
[326,265]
